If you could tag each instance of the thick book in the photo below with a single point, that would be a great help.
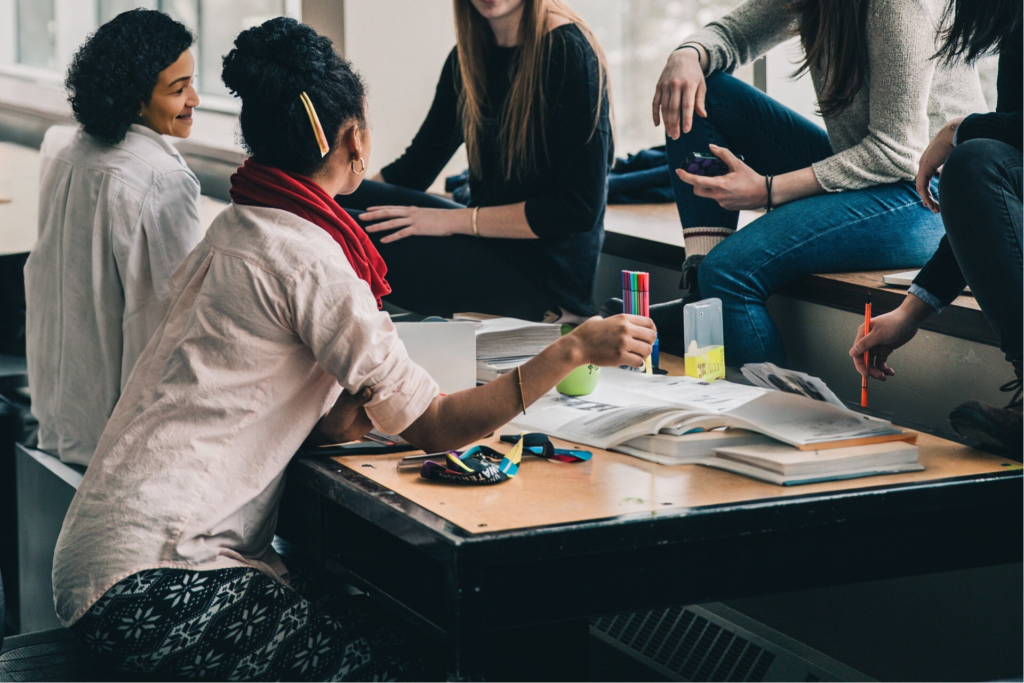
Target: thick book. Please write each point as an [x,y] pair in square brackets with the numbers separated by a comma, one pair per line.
[780,464]
[507,339]
[685,449]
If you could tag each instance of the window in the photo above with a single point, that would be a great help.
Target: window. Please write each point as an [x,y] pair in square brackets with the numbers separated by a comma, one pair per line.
[637,37]
[46,33]
[37,33]
[216,24]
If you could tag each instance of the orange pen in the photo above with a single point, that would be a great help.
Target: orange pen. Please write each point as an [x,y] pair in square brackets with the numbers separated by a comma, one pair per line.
[867,356]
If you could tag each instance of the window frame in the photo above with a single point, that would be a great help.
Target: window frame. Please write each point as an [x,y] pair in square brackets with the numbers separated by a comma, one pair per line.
[75,20]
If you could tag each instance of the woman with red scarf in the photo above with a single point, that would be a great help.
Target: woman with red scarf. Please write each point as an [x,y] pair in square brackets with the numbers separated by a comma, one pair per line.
[274,335]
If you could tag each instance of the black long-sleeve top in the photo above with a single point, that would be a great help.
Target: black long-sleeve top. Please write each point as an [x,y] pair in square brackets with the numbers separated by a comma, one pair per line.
[566,196]
[941,278]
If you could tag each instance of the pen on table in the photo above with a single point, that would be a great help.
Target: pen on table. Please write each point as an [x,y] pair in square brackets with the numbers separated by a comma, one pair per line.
[415,461]
[867,356]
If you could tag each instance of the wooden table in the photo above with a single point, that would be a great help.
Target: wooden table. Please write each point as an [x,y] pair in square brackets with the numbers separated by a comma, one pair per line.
[520,566]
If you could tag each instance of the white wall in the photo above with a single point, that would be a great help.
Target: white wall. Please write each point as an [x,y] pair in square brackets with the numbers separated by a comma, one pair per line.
[399,46]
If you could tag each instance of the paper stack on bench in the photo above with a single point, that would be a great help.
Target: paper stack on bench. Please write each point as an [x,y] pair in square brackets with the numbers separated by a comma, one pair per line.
[502,344]
[669,420]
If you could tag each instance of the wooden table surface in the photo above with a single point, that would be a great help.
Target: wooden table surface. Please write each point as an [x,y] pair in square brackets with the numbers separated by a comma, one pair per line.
[19,198]
[612,484]
[872,280]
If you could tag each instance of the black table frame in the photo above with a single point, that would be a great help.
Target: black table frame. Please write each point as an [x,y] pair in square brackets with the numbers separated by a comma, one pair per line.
[474,592]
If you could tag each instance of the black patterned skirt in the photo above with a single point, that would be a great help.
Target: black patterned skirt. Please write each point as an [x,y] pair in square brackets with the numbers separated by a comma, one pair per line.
[239,624]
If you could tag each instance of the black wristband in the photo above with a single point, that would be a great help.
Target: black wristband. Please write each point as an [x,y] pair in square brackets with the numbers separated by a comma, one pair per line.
[768,180]
[692,47]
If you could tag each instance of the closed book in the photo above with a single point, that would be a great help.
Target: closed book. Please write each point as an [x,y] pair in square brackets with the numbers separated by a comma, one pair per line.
[781,464]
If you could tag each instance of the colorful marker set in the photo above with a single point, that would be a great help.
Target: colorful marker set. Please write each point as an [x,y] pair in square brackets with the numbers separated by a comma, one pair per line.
[636,300]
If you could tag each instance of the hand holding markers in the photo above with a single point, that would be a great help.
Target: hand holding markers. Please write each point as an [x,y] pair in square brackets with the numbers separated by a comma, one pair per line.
[636,300]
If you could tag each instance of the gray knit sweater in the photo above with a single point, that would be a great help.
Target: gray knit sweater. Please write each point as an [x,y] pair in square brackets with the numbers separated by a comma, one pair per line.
[906,98]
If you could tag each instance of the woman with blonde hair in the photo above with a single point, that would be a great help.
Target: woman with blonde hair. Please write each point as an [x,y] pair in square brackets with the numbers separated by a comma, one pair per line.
[526,90]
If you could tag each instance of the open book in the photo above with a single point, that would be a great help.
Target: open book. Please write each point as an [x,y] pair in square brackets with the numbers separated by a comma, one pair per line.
[628,405]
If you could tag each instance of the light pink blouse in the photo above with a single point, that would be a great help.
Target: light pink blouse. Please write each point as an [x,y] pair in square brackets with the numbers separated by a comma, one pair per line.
[267,323]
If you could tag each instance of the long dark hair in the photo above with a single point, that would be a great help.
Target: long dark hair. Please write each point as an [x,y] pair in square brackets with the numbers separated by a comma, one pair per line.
[522,127]
[835,42]
[973,28]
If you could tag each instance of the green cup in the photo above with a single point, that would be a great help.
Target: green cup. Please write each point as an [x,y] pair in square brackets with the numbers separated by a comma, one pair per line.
[579,382]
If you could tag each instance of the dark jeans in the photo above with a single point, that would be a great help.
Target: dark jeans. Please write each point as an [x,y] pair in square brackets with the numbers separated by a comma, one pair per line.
[448,275]
[981,209]
[877,228]
[771,138]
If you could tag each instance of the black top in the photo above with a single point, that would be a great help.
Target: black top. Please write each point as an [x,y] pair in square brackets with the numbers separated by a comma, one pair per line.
[565,197]
[941,276]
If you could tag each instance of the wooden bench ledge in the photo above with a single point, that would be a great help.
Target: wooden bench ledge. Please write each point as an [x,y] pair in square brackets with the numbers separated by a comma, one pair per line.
[650,233]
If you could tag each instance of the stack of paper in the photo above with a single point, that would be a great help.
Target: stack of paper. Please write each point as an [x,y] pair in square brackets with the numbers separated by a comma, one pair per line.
[502,344]
[780,464]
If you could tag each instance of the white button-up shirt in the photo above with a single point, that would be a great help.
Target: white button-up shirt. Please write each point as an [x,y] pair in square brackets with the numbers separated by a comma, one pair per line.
[114,223]
[267,323]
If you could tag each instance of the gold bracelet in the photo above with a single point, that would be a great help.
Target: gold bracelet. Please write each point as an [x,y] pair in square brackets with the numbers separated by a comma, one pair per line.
[476,232]
[522,396]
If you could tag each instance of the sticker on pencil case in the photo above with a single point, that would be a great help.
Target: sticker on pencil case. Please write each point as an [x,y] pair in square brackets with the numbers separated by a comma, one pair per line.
[481,465]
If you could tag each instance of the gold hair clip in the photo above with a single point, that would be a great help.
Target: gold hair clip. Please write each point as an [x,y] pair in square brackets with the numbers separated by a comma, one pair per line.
[318,130]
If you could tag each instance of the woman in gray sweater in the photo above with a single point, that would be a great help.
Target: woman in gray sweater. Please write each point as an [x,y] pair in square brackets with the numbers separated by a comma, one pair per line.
[838,200]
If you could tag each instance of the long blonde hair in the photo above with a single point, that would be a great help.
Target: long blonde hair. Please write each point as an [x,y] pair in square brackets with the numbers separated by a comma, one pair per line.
[522,121]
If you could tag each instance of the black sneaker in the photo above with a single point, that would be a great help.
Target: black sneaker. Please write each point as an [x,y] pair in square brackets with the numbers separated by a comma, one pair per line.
[997,427]
[689,283]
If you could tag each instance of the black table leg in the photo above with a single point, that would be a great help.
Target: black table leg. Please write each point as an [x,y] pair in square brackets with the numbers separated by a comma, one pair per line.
[467,640]
[477,651]
[546,652]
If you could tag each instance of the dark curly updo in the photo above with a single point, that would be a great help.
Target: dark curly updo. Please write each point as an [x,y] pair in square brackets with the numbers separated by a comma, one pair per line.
[270,66]
[115,71]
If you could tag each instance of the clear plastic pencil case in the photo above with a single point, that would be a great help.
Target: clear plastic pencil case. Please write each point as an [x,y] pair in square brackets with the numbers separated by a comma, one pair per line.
[705,342]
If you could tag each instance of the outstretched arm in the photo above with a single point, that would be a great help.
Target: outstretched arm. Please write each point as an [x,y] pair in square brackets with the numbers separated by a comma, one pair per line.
[461,418]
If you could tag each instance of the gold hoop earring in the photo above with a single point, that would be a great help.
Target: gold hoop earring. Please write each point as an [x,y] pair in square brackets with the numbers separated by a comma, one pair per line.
[362,165]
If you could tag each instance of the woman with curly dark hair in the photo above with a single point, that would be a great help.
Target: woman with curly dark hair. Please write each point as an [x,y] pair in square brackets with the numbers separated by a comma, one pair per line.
[119,212]
[275,335]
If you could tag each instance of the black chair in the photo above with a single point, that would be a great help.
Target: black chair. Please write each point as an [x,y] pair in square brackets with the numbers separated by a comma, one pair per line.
[53,655]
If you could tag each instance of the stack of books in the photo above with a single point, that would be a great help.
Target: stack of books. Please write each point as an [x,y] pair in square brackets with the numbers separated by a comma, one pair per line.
[775,436]
[502,344]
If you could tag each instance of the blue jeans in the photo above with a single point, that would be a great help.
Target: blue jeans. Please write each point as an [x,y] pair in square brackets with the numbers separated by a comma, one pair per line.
[877,228]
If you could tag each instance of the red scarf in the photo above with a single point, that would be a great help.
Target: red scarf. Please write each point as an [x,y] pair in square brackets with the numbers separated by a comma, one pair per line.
[257,185]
